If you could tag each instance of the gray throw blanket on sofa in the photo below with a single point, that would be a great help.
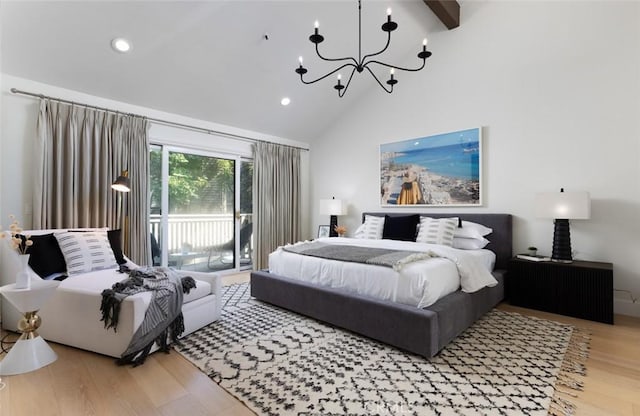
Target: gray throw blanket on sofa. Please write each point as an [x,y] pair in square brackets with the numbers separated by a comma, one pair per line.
[163,321]
[395,259]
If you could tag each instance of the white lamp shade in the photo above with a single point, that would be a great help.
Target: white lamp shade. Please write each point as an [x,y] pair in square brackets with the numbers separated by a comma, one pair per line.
[332,207]
[563,205]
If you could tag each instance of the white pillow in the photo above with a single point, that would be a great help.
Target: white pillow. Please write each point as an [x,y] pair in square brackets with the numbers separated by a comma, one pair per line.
[371,229]
[470,243]
[85,252]
[471,230]
[437,230]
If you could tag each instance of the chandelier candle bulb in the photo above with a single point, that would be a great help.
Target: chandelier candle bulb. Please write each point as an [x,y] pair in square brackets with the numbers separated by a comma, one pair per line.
[392,81]
[316,25]
[339,86]
[389,14]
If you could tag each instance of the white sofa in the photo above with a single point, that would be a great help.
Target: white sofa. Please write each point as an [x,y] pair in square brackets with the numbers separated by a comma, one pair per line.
[72,315]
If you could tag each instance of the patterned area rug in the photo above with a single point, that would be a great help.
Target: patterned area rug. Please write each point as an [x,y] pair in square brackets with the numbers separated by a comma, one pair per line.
[281,363]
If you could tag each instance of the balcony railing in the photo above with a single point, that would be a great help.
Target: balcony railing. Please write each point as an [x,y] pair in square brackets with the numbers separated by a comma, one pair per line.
[197,232]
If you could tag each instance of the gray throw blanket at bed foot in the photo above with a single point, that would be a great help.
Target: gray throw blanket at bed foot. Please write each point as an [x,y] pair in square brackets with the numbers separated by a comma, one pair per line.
[395,259]
[163,322]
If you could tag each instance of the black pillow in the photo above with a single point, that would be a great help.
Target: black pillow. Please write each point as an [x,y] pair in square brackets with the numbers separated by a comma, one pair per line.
[115,241]
[403,228]
[45,258]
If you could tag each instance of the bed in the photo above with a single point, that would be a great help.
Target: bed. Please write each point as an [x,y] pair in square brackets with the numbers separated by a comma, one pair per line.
[424,331]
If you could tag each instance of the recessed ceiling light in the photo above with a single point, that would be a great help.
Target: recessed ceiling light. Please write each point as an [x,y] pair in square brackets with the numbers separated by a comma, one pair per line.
[121,45]
[285,101]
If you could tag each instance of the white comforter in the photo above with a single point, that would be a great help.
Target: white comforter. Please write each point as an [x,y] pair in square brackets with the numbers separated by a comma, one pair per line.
[419,284]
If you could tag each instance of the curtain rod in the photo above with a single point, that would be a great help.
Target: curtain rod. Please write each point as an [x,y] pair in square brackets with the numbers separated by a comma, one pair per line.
[156,120]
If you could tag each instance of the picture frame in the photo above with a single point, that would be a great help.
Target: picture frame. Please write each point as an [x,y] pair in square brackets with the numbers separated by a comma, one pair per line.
[323,231]
[443,170]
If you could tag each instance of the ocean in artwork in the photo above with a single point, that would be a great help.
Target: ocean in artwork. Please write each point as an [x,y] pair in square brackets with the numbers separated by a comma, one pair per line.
[453,161]
[435,170]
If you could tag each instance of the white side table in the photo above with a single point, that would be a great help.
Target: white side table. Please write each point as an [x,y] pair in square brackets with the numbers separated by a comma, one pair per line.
[30,352]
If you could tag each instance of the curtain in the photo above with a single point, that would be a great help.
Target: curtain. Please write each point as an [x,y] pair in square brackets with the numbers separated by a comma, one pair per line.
[79,152]
[276,198]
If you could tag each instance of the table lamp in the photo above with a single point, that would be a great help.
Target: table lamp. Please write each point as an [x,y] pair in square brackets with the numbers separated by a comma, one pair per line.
[563,206]
[332,207]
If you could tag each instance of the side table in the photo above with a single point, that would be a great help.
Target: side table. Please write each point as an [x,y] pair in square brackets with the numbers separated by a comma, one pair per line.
[582,289]
[30,352]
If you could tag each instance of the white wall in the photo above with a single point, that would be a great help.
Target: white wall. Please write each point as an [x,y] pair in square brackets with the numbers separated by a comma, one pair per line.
[556,87]
[18,129]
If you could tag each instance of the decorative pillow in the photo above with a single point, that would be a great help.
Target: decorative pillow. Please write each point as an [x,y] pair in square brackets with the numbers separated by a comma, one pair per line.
[115,239]
[437,230]
[85,252]
[472,230]
[403,228]
[470,243]
[371,229]
[45,258]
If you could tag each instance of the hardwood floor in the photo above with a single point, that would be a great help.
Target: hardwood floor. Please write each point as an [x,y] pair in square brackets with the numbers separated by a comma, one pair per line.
[84,383]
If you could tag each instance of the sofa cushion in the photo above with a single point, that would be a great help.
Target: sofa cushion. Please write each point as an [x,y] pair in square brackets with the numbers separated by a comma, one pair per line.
[45,257]
[115,238]
[96,281]
[85,252]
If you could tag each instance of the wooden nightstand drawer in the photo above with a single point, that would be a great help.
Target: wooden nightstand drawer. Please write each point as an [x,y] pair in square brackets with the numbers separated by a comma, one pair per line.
[581,289]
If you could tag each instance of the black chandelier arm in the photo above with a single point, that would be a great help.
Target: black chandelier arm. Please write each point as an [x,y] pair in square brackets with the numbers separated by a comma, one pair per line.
[346,86]
[330,73]
[335,59]
[424,61]
[390,90]
[378,53]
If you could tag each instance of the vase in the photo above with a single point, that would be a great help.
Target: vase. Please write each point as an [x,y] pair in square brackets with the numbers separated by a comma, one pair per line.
[23,279]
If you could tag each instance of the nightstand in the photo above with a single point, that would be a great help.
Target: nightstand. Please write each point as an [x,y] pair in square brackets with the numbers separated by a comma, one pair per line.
[582,289]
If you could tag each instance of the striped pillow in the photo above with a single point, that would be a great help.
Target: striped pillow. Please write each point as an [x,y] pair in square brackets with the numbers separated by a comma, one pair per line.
[437,230]
[85,252]
[371,229]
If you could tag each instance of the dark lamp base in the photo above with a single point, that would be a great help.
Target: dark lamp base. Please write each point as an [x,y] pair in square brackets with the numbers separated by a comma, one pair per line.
[561,242]
[332,226]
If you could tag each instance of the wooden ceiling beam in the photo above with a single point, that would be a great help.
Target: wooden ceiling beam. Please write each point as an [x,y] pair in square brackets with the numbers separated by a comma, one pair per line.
[448,11]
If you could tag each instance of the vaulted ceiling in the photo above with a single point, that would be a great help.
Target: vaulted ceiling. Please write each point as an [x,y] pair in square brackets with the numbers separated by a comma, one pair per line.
[228,62]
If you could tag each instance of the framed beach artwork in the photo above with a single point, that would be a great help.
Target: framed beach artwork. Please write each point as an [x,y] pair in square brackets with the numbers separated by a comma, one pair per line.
[439,170]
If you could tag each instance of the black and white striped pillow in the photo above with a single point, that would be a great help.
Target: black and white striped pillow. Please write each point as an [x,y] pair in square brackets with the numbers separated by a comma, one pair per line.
[85,252]
[437,230]
[371,229]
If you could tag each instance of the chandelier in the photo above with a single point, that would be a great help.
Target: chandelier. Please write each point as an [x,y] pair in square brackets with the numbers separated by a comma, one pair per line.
[362,63]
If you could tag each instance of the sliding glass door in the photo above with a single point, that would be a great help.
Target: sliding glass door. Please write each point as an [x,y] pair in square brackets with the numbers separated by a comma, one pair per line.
[201,215]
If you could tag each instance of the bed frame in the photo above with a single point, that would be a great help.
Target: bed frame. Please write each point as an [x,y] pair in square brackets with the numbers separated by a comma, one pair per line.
[420,331]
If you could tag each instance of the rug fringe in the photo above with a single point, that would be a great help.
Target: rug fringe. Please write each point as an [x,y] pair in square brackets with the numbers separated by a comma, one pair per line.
[573,364]
[561,407]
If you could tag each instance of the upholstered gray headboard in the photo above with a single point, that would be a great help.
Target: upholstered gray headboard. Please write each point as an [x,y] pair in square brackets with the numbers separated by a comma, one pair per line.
[501,239]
